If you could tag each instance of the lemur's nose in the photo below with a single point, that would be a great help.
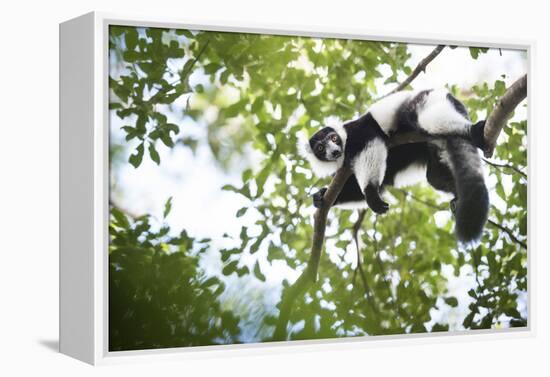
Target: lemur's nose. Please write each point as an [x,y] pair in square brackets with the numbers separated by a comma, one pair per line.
[336,154]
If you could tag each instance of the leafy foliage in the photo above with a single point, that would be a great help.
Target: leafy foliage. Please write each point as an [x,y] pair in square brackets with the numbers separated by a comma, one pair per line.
[158,295]
[263,91]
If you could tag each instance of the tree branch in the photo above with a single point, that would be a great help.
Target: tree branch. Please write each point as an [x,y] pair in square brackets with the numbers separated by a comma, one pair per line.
[421,67]
[502,112]
[309,275]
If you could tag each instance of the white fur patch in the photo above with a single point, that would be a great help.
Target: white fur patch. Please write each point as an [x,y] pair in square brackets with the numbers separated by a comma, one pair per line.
[361,204]
[384,111]
[439,117]
[413,174]
[370,165]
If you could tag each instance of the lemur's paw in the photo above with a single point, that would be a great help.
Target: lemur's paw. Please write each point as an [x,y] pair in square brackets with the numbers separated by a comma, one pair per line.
[453,206]
[476,134]
[318,197]
[374,201]
[380,207]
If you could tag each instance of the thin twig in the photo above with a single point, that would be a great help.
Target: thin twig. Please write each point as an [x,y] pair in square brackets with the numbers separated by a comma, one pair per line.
[491,222]
[421,67]
[359,268]
[509,232]
[189,70]
[428,204]
[505,166]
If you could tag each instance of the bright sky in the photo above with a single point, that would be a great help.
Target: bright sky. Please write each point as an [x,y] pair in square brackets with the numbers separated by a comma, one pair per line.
[204,210]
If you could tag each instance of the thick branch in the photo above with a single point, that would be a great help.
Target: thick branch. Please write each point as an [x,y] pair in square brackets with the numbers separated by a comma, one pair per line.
[309,275]
[421,67]
[502,112]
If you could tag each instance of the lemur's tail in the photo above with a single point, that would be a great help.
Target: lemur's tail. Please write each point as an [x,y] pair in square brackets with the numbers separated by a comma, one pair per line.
[472,198]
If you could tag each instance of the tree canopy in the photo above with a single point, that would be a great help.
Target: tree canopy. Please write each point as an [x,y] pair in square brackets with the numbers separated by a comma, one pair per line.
[252,95]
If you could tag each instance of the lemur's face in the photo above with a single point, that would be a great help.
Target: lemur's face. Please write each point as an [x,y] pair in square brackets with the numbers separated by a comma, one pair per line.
[326,144]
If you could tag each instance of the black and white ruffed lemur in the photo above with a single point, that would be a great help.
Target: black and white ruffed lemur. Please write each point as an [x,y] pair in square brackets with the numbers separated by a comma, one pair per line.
[450,162]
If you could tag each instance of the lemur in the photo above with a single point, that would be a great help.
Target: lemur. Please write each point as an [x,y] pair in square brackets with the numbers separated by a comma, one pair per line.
[450,161]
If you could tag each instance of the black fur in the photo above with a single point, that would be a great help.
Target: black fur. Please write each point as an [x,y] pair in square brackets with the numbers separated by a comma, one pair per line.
[459,106]
[438,174]
[451,160]
[472,198]
[476,134]
[471,204]
[403,156]
[359,133]
[374,201]
[318,197]
[351,192]
[407,115]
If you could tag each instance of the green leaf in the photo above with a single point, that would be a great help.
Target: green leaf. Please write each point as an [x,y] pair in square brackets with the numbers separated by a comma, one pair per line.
[274,252]
[512,312]
[137,157]
[230,188]
[257,104]
[212,68]
[153,153]
[131,38]
[467,323]
[451,301]
[476,51]
[258,272]
[167,207]
[120,217]
[241,211]
[230,268]
[242,271]
[234,110]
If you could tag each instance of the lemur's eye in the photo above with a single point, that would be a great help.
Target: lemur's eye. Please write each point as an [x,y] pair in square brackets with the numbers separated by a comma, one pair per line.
[334,138]
[320,148]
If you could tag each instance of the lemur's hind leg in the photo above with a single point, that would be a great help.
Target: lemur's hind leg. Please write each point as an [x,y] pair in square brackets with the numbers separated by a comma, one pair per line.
[350,194]
[440,176]
[318,197]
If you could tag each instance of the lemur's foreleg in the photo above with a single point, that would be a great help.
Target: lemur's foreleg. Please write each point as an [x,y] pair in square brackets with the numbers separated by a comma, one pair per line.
[369,167]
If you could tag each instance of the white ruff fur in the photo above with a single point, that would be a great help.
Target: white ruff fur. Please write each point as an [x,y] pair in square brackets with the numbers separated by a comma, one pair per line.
[370,165]
[438,116]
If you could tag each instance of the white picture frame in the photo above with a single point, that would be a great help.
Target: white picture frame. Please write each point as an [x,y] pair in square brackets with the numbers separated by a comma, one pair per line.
[84,189]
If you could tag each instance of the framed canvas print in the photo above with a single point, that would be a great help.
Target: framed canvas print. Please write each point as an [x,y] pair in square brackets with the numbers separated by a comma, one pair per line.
[228,188]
